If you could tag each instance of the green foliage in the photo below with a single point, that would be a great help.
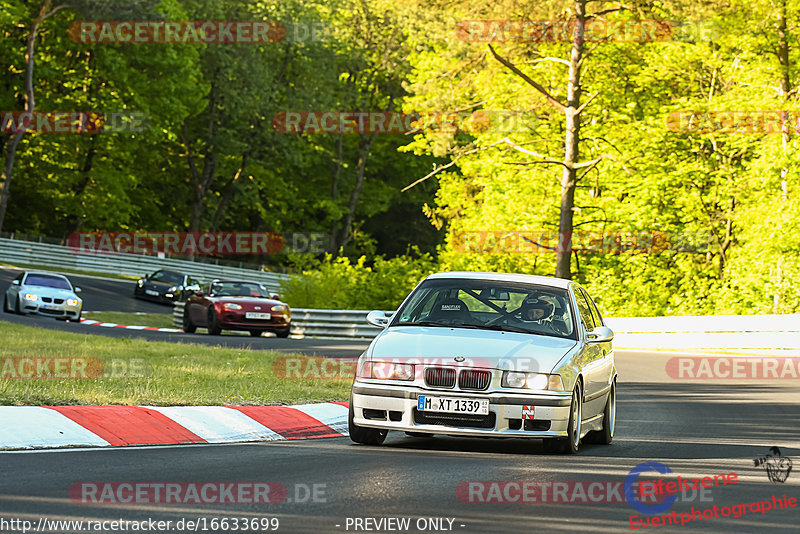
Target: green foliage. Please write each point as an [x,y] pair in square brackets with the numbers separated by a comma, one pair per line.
[339,284]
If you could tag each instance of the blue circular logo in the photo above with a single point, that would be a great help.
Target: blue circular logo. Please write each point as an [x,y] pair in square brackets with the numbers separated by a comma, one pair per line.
[630,481]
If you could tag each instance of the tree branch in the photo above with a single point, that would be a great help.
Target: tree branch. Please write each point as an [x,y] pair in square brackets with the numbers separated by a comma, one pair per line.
[550,98]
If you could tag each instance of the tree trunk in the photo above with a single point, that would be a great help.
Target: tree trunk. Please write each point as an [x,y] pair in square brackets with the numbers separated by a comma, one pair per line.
[337,171]
[786,87]
[363,156]
[30,106]
[572,146]
[227,194]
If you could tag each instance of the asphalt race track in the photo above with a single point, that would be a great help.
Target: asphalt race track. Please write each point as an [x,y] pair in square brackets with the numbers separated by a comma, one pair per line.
[700,428]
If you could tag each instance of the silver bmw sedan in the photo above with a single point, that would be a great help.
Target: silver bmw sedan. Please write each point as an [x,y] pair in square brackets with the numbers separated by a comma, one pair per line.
[489,355]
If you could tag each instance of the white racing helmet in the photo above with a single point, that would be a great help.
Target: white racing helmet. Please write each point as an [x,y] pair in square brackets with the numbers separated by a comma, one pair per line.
[537,309]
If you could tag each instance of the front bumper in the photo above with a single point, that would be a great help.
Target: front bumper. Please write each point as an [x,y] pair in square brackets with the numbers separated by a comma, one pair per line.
[399,404]
[51,310]
[237,321]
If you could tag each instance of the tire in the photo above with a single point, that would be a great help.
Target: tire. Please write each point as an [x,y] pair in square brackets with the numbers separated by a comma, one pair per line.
[572,443]
[362,435]
[6,307]
[213,325]
[188,326]
[256,333]
[606,435]
[283,333]
[17,309]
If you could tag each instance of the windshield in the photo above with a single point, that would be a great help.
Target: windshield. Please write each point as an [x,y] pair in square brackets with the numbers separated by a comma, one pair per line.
[489,305]
[237,289]
[167,277]
[43,280]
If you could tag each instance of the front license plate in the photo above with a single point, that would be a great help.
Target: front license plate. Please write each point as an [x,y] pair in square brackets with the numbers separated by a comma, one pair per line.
[426,403]
[151,292]
[256,315]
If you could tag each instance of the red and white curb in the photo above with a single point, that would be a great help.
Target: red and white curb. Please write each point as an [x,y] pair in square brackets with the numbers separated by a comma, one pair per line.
[29,427]
[90,322]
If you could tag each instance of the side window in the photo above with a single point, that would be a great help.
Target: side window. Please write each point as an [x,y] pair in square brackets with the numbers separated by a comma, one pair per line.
[156,276]
[584,311]
[598,320]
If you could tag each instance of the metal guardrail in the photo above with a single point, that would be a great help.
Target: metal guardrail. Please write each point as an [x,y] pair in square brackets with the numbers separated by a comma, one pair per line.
[58,256]
[308,322]
[749,332]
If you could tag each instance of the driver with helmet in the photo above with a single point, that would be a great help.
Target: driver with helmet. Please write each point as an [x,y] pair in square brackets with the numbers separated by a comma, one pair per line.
[537,310]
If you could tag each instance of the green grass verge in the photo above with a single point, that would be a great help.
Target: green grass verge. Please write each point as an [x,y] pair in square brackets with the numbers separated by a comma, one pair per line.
[31,267]
[158,320]
[153,373]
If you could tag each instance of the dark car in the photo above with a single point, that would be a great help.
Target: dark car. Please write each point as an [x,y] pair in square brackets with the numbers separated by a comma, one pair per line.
[165,286]
[237,305]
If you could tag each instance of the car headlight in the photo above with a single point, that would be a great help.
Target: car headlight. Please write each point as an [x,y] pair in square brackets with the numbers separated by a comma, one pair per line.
[31,297]
[140,283]
[539,381]
[73,302]
[280,308]
[173,289]
[231,306]
[387,371]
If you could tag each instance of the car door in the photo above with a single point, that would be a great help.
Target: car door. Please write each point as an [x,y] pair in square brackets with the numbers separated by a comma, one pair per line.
[606,367]
[198,308]
[13,290]
[592,357]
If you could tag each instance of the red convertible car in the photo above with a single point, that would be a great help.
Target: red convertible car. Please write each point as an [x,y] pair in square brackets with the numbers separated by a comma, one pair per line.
[236,305]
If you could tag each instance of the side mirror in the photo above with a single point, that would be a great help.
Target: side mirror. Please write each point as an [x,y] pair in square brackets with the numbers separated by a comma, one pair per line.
[377,318]
[15,282]
[276,297]
[78,290]
[600,334]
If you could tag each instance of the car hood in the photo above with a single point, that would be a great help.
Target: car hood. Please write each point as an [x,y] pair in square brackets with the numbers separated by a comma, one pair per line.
[49,292]
[479,348]
[150,284]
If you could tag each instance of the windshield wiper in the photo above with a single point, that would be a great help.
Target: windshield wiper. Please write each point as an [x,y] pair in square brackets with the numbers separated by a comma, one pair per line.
[507,328]
[424,323]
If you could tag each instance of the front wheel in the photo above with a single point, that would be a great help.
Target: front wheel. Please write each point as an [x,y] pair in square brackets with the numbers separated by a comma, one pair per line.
[363,435]
[283,333]
[256,333]
[17,309]
[213,324]
[6,307]
[188,326]
[572,442]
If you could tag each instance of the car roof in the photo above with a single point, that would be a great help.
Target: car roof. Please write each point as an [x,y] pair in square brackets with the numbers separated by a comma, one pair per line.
[43,273]
[506,277]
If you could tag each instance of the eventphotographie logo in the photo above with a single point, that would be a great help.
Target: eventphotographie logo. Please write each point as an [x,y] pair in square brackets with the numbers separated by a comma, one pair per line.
[777,466]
